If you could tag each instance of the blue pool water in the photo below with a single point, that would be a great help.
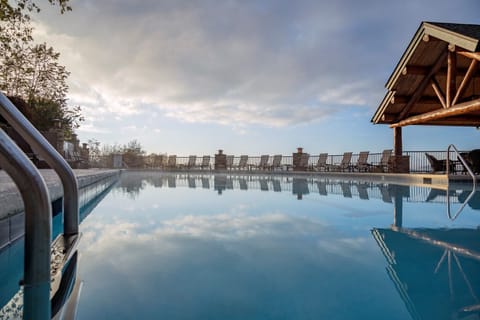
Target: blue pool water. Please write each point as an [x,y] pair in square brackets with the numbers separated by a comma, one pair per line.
[216,247]
[171,246]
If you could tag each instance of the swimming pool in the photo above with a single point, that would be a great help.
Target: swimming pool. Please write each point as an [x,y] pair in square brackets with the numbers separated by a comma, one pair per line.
[180,246]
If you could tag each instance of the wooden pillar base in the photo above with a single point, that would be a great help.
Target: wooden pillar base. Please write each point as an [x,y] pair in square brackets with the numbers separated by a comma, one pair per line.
[399,164]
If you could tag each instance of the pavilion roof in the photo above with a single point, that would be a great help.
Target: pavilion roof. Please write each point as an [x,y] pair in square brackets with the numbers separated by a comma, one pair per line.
[437,80]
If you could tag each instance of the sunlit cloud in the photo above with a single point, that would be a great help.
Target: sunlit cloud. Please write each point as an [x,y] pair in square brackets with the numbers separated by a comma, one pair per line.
[225,63]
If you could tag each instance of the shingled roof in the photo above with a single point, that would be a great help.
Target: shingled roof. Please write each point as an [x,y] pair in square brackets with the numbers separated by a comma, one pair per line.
[437,80]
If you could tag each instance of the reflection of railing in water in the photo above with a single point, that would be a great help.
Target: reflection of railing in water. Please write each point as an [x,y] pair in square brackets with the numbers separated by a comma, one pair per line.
[133,182]
[11,256]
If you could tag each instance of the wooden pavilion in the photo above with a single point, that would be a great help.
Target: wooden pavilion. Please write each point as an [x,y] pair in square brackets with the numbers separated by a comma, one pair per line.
[436,82]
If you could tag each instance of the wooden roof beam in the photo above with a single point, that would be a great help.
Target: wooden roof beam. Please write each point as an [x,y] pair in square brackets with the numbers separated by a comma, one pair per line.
[423,85]
[459,109]
[472,69]
[404,99]
[438,92]
[471,55]
[422,70]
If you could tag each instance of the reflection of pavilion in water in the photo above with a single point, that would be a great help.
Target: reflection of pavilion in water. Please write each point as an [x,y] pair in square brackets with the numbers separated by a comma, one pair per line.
[299,186]
[435,271]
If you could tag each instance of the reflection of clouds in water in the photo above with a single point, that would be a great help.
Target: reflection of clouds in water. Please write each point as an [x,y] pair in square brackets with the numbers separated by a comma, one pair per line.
[222,266]
[270,229]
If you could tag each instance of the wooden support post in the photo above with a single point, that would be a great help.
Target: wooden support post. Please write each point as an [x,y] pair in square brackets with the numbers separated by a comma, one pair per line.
[398,211]
[397,141]
[451,77]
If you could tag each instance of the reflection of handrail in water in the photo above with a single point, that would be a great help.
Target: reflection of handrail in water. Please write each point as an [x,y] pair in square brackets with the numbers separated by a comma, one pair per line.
[474,182]
[89,197]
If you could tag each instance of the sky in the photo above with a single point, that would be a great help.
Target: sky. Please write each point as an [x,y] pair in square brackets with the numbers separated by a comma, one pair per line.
[246,76]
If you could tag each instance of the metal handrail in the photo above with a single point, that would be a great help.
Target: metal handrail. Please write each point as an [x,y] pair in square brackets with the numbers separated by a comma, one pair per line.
[470,172]
[38,227]
[41,146]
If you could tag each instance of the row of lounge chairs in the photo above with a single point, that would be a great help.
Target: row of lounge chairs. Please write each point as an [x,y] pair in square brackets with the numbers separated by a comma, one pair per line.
[361,164]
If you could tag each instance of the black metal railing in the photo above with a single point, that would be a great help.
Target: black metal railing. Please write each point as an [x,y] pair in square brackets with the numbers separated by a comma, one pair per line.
[417,160]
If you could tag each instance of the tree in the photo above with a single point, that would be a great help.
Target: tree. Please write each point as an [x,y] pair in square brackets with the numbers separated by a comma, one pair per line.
[133,154]
[31,71]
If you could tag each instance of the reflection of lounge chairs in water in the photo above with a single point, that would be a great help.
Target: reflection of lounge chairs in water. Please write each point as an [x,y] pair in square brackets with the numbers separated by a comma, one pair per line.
[386,196]
[229,184]
[243,184]
[205,183]
[276,185]
[300,187]
[172,181]
[362,190]
[346,190]
[322,187]
[435,193]
[474,201]
[263,184]
[191,182]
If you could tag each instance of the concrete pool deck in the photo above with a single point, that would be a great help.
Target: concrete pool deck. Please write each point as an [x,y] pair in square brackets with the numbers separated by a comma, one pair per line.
[11,201]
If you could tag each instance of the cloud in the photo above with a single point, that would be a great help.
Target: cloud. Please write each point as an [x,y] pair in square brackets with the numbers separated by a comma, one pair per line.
[235,62]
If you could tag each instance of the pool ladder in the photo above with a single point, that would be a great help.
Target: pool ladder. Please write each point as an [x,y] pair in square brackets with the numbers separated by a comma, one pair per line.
[37,204]
[470,172]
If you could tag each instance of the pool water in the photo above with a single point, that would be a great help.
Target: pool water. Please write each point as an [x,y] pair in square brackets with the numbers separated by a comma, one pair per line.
[173,246]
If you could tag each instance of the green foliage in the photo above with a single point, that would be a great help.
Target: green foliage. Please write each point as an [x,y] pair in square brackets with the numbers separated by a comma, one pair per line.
[31,71]
[22,7]
[46,113]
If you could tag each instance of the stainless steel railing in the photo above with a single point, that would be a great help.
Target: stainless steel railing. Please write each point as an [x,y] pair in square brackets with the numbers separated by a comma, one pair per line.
[41,146]
[38,227]
[36,199]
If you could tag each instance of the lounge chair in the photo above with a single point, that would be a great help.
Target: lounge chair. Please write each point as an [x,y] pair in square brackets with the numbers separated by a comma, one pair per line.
[263,162]
[191,162]
[345,163]
[277,162]
[172,162]
[243,163]
[473,160]
[321,163]
[229,163]
[362,164]
[205,163]
[384,161]
[439,165]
